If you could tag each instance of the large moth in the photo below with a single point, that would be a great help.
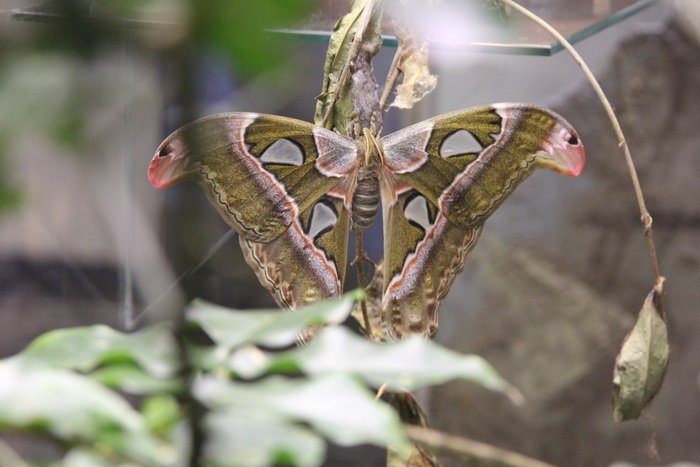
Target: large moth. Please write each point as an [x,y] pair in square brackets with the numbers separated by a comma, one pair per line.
[292,190]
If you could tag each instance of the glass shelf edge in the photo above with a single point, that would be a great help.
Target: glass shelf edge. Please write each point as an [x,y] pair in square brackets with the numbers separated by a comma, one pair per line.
[543,49]
[537,49]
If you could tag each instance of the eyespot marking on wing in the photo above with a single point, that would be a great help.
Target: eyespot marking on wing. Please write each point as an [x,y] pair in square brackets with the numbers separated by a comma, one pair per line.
[459,142]
[323,218]
[283,151]
[416,211]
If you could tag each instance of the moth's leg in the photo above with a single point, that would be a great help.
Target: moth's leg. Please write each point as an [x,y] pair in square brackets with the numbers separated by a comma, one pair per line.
[361,256]
[356,126]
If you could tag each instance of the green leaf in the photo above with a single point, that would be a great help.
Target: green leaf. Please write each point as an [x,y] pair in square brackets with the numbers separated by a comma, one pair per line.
[641,364]
[206,357]
[253,438]
[161,413]
[85,348]
[337,406]
[239,29]
[81,457]
[406,365]
[134,380]
[338,55]
[10,198]
[76,410]
[273,328]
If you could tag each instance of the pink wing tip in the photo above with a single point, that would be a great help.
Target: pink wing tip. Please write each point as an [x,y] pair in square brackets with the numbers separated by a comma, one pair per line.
[156,172]
[576,159]
[564,149]
[168,165]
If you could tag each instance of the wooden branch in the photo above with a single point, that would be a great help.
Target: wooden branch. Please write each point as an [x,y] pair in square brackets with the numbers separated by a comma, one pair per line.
[469,449]
[8,456]
[391,79]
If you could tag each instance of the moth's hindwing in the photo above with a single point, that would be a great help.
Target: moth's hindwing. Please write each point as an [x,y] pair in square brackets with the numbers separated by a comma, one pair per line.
[307,262]
[421,260]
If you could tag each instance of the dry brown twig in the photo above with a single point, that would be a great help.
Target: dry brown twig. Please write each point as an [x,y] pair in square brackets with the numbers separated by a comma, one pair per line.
[469,449]
[10,458]
[642,361]
[645,217]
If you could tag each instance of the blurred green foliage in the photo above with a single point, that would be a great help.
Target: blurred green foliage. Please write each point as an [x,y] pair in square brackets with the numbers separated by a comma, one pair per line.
[43,94]
[280,415]
[239,28]
[236,27]
[10,196]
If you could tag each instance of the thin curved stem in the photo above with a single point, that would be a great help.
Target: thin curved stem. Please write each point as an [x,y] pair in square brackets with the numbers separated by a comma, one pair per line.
[645,217]
[391,79]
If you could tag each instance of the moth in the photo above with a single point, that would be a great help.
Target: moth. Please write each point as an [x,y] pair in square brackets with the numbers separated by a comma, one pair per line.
[292,191]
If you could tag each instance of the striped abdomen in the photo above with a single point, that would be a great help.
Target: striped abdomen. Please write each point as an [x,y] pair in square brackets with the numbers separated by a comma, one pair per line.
[365,201]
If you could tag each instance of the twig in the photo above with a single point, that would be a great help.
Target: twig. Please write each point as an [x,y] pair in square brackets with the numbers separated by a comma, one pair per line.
[391,78]
[380,391]
[469,449]
[645,217]
[9,458]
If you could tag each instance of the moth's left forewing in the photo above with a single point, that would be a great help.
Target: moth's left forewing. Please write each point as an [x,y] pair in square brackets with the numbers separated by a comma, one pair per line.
[526,137]
[282,184]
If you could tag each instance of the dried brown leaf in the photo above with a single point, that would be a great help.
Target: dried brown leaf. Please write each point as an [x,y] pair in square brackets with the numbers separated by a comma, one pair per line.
[641,364]
[413,62]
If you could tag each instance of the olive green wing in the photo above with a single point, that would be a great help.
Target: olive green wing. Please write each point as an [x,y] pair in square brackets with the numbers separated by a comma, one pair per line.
[441,179]
[281,184]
